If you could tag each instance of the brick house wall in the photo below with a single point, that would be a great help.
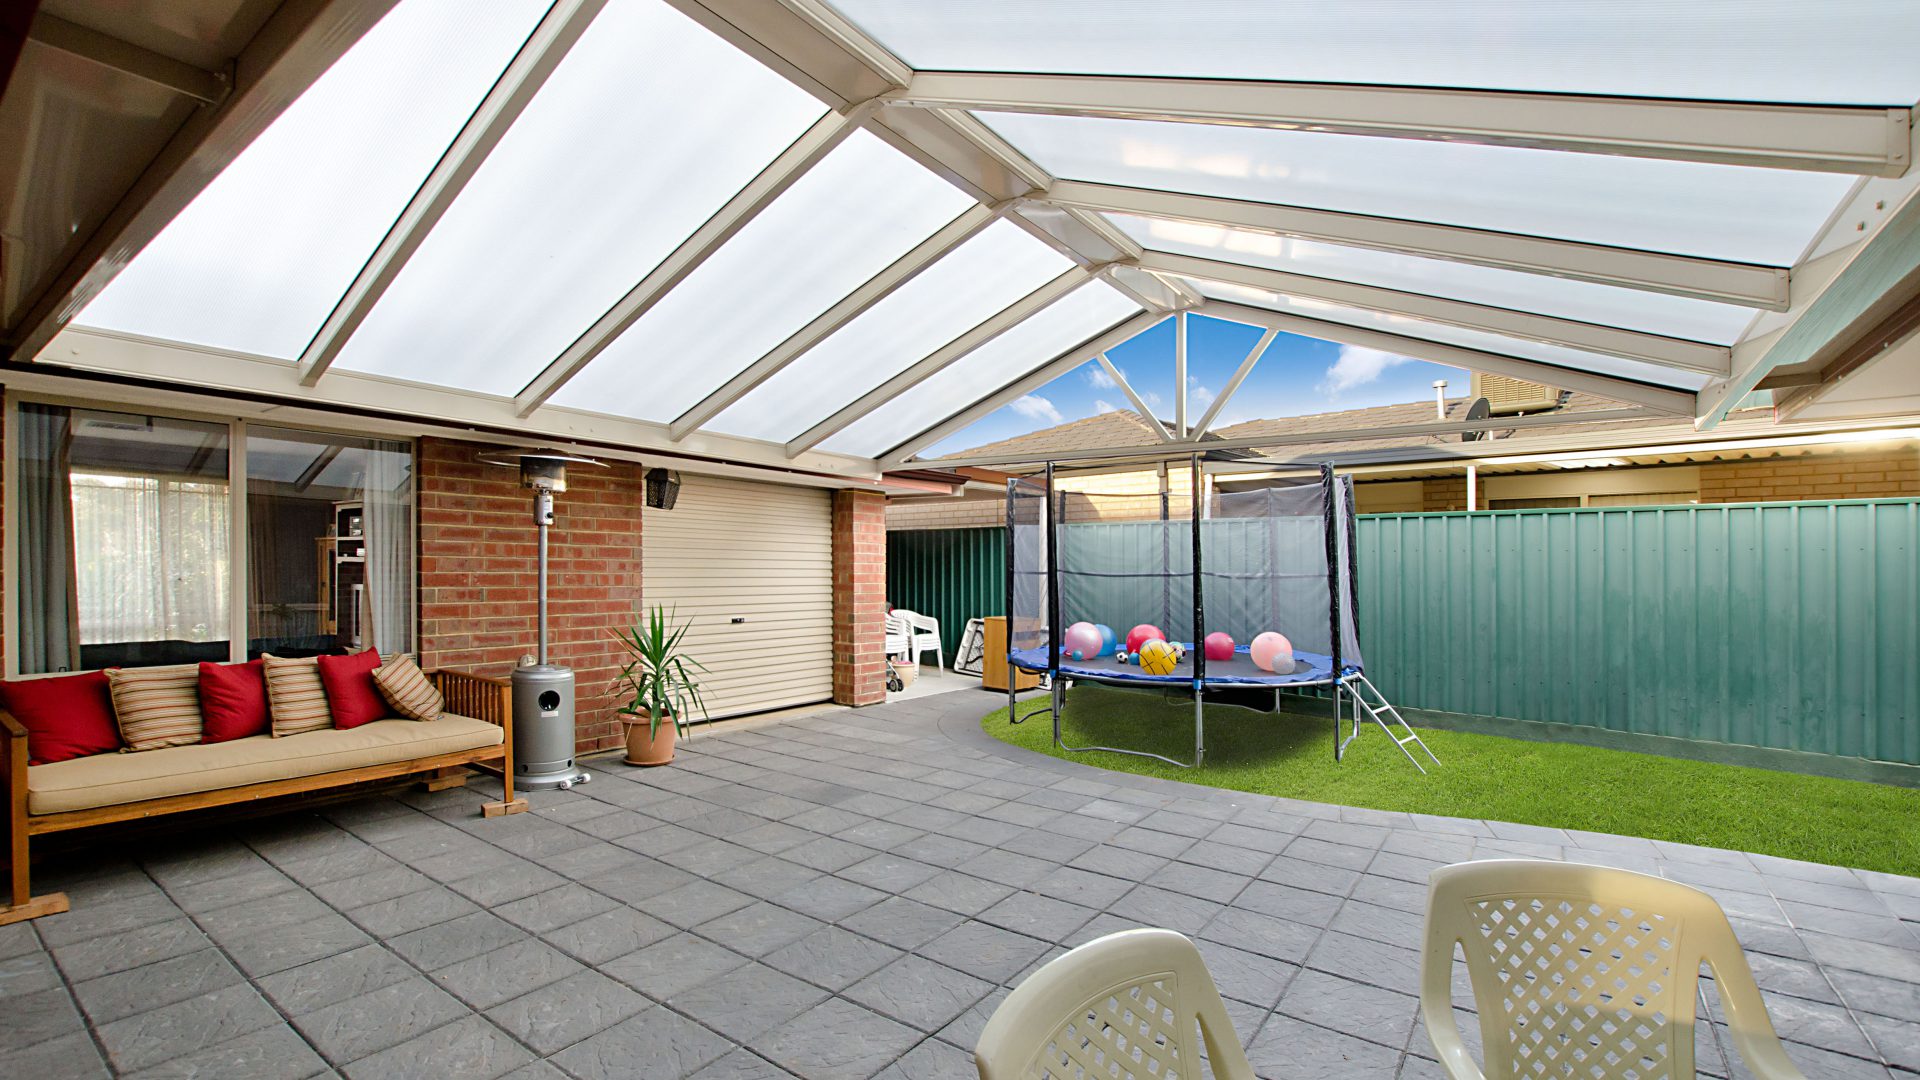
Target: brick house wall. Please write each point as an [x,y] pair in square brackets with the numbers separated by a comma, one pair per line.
[477,580]
[1442,494]
[1890,474]
[859,597]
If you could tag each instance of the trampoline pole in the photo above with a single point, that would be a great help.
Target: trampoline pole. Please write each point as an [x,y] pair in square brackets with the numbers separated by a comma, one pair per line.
[1056,690]
[1013,673]
[1198,644]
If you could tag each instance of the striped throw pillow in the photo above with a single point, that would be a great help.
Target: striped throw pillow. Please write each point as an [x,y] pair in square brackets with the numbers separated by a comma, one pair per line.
[157,706]
[295,697]
[408,689]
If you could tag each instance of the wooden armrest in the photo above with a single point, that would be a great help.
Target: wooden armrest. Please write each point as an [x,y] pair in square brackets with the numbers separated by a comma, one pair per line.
[11,728]
[483,697]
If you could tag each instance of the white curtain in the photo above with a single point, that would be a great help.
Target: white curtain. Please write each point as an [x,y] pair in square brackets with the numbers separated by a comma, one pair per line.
[151,556]
[389,532]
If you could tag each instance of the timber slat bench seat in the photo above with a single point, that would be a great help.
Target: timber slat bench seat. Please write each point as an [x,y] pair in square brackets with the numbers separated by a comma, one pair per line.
[476,729]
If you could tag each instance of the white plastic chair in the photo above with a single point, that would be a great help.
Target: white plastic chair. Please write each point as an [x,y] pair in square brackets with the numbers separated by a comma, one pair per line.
[925,633]
[899,635]
[1584,971]
[1123,1007]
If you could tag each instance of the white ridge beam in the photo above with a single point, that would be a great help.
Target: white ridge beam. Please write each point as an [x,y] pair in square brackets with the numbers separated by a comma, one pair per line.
[1661,398]
[875,289]
[946,356]
[1573,334]
[1040,376]
[804,153]
[1233,385]
[53,32]
[1679,275]
[1120,379]
[543,51]
[1864,140]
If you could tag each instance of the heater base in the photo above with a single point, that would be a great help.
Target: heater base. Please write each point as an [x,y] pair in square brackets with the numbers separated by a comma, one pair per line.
[552,780]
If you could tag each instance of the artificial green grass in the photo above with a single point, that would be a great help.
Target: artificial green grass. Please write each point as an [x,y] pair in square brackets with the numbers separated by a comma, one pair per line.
[1563,785]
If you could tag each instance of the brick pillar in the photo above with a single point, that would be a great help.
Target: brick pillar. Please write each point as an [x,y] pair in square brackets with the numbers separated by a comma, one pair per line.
[478,580]
[859,597]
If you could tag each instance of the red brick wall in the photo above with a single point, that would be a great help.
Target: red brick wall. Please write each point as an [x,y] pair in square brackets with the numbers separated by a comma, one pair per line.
[859,597]
[477,578]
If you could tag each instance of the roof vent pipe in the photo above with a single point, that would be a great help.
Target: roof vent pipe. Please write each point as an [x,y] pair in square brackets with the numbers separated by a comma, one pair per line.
[1440,398]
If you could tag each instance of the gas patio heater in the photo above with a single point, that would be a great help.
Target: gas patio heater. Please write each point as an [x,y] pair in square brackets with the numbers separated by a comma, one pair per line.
[543,693]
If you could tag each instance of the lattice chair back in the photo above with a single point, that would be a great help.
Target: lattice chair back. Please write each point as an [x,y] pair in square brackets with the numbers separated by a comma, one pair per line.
[1583,971]
[1123,1007]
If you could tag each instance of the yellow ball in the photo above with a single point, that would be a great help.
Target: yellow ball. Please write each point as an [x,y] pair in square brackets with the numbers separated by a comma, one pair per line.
[1157,658]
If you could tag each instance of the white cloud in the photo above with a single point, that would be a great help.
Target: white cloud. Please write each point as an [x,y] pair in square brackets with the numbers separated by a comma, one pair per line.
[1098,378]
[1198,396]
[1357,366]
[1104,406]
[1035,407]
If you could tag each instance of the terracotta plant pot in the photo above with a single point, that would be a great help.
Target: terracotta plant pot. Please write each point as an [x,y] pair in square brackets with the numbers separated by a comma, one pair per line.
[645,746]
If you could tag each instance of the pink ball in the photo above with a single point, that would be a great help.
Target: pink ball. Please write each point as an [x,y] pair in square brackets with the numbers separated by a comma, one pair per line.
[1272,652]
[1082,638]
[1219,646]
[1142,634]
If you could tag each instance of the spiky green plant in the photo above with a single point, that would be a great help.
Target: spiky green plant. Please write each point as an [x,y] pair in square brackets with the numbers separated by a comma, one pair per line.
[657,675]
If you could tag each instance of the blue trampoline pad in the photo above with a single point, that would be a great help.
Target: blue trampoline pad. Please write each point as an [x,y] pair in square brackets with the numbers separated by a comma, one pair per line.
[1308,668]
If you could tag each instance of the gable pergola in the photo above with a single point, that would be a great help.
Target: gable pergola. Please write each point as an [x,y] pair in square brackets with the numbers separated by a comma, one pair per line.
[824,238]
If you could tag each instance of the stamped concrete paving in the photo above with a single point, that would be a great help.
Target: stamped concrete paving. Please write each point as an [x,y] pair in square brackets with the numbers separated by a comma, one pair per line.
[848,895]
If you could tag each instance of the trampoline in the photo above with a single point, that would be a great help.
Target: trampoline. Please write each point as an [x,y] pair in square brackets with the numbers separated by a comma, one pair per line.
[1272,555]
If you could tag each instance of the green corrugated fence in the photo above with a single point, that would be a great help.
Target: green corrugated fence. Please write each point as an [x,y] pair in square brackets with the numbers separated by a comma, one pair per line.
[1793,626]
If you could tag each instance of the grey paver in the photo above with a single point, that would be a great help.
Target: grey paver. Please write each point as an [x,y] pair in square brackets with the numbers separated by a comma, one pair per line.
[367,1023]
[563,1013]
[747,1001]
[670,1044]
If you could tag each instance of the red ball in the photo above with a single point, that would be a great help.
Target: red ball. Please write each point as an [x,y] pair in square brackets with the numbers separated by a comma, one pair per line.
[1142,634]
[1219,646]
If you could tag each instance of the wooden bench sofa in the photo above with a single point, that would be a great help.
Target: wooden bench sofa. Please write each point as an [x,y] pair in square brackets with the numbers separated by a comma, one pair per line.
[477,730]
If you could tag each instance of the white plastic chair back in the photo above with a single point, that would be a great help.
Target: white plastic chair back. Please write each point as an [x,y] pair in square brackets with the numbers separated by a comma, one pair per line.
[1123,1007]
[926,638]
[899,635]
[1584,971]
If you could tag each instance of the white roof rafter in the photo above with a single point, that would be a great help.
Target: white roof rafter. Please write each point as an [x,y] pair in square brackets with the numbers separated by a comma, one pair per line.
[545,48]
[1612,341]
[1718,280]
[946,356]
[1822,138]
[1133,396]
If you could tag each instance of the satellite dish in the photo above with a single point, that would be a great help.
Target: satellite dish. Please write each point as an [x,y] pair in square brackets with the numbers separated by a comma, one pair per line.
[1479,410]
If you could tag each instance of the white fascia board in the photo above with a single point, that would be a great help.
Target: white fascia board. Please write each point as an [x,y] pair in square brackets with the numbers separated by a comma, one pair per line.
[1860,140]
[482,415]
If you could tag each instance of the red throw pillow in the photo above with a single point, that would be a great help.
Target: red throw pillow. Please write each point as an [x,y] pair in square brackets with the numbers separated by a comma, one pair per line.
[66,717]
[352,696]
[233,701]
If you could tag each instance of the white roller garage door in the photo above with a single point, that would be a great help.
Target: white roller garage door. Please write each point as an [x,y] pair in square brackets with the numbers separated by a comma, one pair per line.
[758,553]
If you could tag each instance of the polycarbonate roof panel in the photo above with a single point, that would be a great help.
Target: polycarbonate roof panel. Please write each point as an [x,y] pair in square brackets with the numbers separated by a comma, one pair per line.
[258,260]
[1074,318]
[1833,52]
[645,130]
[972,284]
[1656,313]
[1559,356]
[1715,211]
[862,207]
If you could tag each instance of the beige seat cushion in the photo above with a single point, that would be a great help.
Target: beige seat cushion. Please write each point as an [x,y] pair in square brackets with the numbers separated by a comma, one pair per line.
[112,779]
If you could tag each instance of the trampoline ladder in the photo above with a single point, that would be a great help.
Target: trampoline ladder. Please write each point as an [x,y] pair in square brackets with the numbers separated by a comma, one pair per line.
[1382,712]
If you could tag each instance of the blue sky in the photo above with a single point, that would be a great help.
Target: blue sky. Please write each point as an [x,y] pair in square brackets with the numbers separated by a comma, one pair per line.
[1296,376]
